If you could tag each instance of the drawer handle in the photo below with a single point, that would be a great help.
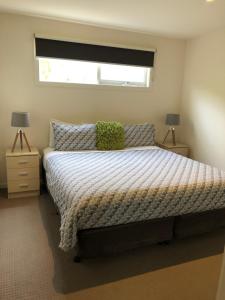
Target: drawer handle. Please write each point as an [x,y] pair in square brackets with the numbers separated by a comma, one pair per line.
[22,162]
[23,185]
[23,174]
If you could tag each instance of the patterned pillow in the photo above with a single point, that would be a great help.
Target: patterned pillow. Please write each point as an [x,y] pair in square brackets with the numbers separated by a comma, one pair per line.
[139,135]
[68,137]
[51,132]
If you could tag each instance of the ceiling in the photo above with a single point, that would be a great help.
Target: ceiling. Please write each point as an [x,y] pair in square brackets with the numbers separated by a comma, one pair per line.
[177,18]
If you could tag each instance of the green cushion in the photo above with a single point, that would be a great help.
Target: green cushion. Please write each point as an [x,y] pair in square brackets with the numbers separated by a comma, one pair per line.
[109,135]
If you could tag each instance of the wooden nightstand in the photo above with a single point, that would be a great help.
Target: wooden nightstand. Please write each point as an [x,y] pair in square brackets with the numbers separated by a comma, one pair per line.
[181,149]
[23,173]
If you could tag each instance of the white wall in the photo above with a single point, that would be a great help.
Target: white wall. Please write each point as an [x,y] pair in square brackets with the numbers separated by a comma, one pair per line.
[20,92]
[203,105]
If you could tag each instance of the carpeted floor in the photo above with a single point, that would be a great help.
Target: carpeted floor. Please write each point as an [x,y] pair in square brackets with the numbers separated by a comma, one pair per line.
[32,266]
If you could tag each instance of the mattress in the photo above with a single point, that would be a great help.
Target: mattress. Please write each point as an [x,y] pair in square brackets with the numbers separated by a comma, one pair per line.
[95,189]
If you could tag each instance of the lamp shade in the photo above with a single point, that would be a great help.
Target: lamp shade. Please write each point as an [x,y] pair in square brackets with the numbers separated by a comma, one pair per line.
[172,119]
[20,119]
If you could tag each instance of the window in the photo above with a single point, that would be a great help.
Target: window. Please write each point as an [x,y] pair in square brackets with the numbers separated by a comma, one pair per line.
[72,62]
[124,75]
[81,72]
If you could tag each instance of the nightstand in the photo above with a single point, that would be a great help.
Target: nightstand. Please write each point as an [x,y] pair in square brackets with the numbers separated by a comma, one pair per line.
[23,173]
[181,149]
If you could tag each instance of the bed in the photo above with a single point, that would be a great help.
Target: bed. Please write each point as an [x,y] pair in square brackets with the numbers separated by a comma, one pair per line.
[111,201]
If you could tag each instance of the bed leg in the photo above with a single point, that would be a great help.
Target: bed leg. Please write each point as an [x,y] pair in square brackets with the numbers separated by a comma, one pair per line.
[77,259]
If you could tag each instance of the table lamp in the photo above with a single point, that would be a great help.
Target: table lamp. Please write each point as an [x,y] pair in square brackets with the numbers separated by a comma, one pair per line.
[172,120]
[20,120]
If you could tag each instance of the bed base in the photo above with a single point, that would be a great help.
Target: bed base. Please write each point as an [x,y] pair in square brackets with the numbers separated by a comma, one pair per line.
[119,238]
[112,240]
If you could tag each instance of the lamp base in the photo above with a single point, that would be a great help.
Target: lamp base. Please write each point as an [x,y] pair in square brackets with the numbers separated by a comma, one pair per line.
[20,134]
[172,131]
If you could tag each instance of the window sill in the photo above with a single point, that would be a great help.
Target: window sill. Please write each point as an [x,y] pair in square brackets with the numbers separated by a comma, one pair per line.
[94,86]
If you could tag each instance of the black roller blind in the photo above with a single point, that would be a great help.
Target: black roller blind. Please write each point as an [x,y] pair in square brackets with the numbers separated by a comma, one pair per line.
[95,53]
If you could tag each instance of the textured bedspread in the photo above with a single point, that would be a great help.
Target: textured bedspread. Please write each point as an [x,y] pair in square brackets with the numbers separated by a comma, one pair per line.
[97,189]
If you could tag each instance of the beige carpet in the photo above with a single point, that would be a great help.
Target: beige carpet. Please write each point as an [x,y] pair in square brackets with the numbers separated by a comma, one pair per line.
[32,266]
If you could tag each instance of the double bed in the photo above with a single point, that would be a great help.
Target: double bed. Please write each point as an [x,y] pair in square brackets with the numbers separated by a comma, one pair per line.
[111,201]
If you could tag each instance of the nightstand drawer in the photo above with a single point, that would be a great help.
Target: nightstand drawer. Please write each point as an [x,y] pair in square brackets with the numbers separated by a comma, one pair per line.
[22,162]
[16,186]
[25,173]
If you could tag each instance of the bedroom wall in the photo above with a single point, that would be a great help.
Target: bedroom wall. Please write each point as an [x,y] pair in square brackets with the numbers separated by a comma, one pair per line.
[203,103]
[20,92]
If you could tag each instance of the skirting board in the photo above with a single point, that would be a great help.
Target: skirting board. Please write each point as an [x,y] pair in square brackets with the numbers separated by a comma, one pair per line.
[23,194]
